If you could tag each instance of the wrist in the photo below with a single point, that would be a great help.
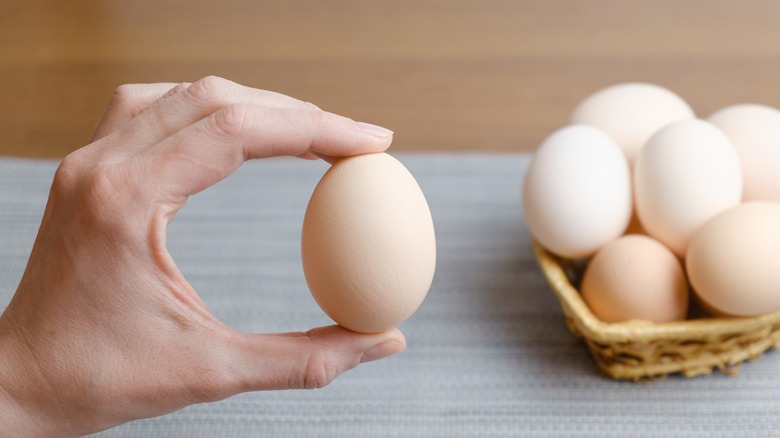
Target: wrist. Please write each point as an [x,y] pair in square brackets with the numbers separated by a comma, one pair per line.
[25,400]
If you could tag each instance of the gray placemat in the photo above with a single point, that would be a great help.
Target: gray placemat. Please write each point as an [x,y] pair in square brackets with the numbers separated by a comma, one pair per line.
[488,352]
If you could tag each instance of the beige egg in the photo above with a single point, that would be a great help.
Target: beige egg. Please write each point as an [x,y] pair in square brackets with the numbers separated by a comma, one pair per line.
[631,112]
[732,260]
[368,244]
[687,173]
[754,131]
[635,277]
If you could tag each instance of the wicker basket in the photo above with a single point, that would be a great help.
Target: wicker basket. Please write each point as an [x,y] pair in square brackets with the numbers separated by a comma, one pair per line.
[640,350]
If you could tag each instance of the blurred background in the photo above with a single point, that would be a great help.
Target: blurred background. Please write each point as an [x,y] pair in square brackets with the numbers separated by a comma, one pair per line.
[445,75]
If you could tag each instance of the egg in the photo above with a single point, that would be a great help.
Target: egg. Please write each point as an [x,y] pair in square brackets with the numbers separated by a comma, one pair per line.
[687,173]
[631,112]
[732,261]
[577,191]
[754,131]
[368,245]
[635,277]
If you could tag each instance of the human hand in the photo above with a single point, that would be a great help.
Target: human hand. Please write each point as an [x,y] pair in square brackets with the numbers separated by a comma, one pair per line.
[103,328]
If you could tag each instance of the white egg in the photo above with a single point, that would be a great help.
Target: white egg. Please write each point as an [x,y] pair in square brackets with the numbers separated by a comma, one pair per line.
[754,131]
[577,191]
[631,112]
[687,173]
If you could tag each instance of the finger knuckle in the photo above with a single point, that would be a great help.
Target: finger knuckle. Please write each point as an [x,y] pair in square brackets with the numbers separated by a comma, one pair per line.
[319,371]
[317,116]
[208,384]
[314,124]
[76,180]
[94,199]
[311,106]
[210,88]
[123,94]
[104,191]
[232,119]
[67,173]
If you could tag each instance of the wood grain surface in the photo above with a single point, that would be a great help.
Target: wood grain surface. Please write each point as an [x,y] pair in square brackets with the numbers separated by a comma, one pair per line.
[455,75]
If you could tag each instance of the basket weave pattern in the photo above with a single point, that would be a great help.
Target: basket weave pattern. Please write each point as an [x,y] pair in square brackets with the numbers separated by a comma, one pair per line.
[639,350]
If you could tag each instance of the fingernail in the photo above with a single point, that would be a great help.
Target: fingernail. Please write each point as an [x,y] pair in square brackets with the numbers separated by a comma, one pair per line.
[374,130]
[381,351]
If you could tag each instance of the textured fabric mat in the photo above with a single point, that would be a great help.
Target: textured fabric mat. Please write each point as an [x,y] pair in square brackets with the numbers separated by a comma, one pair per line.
[488,351]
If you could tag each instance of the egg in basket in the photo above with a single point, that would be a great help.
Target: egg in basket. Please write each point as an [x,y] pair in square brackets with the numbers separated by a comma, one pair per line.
[659,232]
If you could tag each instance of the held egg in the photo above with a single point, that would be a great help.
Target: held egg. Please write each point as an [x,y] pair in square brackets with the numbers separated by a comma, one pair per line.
[631,112]
[635,277]
[368,243]
[754,131]
[733,259]
[577,192]
[687,173]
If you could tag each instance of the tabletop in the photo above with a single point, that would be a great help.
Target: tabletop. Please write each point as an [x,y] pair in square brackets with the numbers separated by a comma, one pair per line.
[445,75]
[488,351]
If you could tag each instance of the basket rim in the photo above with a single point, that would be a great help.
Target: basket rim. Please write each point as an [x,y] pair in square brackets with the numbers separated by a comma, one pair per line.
[642,331]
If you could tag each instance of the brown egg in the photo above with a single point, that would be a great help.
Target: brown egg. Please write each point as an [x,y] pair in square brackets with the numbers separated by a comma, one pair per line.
[635,277]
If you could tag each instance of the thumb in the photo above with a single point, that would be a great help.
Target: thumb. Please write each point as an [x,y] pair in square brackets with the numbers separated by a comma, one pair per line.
[307,360]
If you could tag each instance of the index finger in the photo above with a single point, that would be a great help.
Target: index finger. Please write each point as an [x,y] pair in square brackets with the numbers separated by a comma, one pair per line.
[209,150]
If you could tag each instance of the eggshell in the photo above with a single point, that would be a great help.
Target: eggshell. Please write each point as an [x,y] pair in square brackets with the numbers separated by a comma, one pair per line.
[368,243]
[631,112]
[635,277]
[577,192]
[754,131]
[687,173]
[733,260]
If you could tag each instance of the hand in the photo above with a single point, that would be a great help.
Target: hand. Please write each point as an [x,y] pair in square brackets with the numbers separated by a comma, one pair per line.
[104,328]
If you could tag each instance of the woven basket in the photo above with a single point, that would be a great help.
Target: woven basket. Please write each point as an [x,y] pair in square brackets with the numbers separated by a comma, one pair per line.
[641,350]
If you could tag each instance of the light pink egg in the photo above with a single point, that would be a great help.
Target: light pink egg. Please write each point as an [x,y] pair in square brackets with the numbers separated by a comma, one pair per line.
[733,261]
[368,243]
